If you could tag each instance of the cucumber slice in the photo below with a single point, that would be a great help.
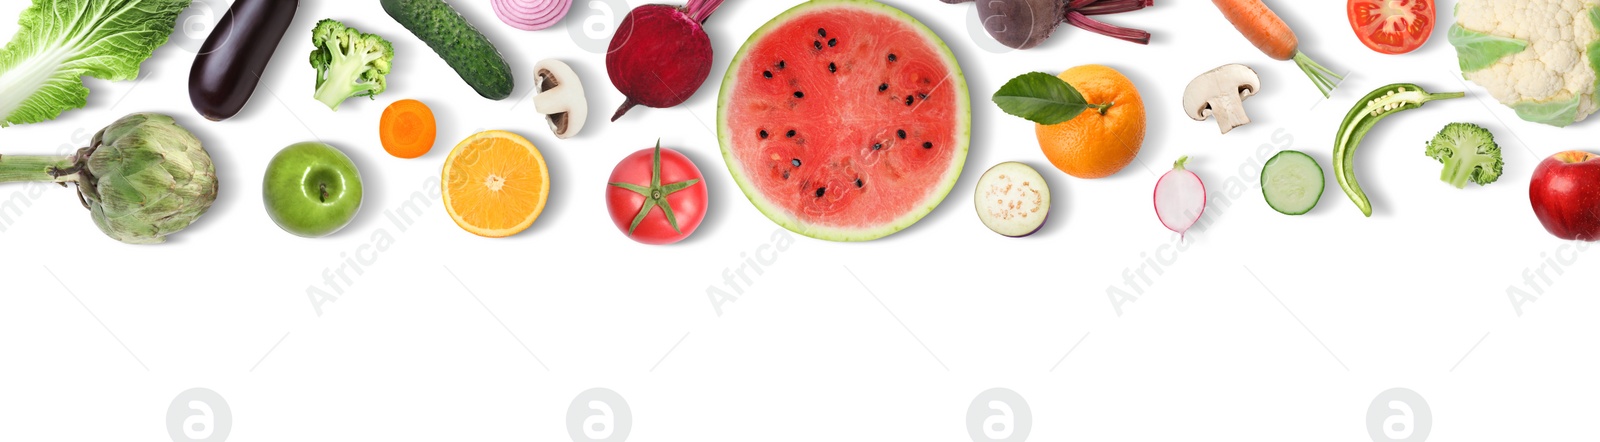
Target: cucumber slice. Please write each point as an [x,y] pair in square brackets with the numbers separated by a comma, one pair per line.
[1292,182]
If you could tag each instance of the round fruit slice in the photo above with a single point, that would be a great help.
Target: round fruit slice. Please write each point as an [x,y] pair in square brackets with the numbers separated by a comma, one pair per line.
[495,184]
[1012,199]
[844,120]
[1391,26]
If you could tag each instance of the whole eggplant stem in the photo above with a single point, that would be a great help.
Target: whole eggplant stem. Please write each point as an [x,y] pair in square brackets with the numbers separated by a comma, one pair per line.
[24,168]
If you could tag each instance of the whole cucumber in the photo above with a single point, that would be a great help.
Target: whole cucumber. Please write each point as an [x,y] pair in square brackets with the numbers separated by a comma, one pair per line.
[235,56]
[460,44]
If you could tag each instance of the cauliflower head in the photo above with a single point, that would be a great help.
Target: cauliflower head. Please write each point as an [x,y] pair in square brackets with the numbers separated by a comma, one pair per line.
[1537,56]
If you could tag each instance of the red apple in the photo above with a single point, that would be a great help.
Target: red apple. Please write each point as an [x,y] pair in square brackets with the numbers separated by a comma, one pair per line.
[1565,192]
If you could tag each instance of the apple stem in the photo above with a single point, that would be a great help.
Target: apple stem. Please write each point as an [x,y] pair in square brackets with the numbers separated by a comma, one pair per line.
[323,198]
[23,168]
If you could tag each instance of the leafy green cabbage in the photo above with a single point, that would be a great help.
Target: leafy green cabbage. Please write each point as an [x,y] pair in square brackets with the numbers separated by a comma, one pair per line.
[60,41]
[1476,50]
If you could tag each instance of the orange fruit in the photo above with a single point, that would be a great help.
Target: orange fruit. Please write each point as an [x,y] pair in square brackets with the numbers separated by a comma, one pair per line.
[495,184]
[1096,144]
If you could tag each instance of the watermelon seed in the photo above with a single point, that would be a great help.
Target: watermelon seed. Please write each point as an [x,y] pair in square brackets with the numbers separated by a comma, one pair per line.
[763,134]
[833,42]
[820,191]
[893,58]
[883,87]
[832,68]
[790,134]
[780,64]
[767,74]
[927,144]
[817,44]
[877,146]
[795,162]
[822,32]
[859,183]
[786,174]
[798,94]
[901,133]
[924,96]
[908,100]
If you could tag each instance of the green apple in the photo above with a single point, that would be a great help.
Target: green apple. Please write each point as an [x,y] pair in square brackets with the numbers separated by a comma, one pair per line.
[312,189]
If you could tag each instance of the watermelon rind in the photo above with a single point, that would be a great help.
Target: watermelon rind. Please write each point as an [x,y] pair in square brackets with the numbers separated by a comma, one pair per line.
[788,221]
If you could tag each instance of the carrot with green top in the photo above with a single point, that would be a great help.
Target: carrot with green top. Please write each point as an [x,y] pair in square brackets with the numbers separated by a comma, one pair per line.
[1272,36]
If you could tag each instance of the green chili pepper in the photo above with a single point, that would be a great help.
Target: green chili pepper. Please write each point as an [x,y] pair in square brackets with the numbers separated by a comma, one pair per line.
[1383,102]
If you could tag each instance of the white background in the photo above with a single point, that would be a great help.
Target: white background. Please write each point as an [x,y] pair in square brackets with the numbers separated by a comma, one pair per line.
[1266,327]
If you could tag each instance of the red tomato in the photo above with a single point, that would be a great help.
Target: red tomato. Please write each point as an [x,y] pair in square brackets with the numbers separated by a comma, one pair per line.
[656,196]
[1392,26]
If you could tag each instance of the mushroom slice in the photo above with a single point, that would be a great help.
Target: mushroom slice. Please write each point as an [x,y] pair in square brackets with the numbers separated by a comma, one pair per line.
[560,98]
[1221,93]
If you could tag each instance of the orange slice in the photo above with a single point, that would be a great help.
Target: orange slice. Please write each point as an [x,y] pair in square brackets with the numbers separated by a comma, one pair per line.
[495,184]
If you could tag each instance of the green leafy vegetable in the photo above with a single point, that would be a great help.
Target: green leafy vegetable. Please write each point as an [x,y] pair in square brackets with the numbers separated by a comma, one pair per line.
[1593,50]
[1468,152]
[1043,98]
[61,41]
[1476,50]
[1558,113]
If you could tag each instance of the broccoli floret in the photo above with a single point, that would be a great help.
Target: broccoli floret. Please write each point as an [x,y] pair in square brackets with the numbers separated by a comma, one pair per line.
[1468,152]
[349,63]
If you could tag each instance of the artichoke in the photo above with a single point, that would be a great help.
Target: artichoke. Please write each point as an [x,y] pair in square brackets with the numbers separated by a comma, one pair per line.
[142,178]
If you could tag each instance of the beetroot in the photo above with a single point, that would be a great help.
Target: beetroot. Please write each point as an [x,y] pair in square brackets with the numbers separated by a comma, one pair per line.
[1023,24]
[660,55]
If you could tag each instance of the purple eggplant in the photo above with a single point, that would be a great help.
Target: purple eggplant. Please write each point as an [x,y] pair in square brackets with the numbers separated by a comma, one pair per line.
[235,56]
[1013,199]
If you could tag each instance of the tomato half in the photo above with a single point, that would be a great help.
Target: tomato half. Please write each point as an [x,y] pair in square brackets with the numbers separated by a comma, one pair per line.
[1392,26]
[656,196]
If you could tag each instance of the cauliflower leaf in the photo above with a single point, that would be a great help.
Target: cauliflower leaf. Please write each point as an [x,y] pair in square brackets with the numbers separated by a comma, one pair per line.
[1558,113]
[1477,50]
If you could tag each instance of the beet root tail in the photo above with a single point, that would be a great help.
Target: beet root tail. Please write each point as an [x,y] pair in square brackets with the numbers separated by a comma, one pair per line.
[626,105]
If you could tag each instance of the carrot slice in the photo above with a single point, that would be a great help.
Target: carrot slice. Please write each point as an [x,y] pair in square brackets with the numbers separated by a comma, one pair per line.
[407,129]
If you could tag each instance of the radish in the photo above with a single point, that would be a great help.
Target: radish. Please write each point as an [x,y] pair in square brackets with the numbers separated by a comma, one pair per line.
[531,15]
[660,54]
[1180,198]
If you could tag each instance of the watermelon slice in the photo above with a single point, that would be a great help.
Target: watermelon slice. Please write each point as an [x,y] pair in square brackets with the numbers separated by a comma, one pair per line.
[844,120]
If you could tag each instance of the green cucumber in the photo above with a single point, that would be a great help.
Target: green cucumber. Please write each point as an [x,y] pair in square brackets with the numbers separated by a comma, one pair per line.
[1292,182]
[460,44]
